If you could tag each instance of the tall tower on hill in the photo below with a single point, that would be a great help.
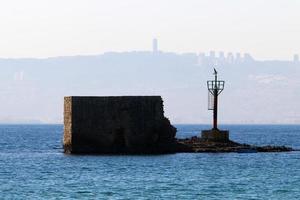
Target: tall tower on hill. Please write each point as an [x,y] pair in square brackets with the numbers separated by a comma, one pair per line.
[154,45]
[296,58]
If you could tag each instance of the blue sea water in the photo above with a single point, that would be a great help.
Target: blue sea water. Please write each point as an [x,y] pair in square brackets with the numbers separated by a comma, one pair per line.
[32,166]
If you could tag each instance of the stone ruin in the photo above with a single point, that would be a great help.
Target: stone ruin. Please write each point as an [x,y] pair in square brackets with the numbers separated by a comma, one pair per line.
[121,124]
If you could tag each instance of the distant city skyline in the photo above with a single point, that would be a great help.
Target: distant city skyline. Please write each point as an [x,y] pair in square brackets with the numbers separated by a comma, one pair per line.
[219,56]
[210,54]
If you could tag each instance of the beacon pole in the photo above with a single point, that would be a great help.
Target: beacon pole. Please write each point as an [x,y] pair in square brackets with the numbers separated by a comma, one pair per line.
[215,87]
[215,114]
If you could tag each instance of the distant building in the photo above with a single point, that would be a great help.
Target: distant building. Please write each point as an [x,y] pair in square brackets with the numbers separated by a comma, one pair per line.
[238,57]
[248,57]
[213,58]
[296,58]
[201,58]
[154,45]
[19,76]
[221,58]
[212,54]
[230,57]
[221,55]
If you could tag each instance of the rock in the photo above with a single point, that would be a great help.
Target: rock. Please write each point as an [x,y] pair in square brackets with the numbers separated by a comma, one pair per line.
[126,124]
[274,149]
[200,145]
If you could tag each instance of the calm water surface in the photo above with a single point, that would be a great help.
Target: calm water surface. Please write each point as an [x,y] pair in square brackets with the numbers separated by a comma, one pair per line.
[32,166]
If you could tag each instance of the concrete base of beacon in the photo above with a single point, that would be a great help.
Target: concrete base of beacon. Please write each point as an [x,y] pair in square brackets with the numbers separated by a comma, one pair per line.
[215,135]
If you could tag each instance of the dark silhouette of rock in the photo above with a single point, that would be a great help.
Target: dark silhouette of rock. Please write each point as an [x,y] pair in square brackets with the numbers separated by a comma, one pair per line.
[128,124]
[202,145]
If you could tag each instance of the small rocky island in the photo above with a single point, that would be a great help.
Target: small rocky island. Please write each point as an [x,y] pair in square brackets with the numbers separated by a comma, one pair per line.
[200,145]
[133,125]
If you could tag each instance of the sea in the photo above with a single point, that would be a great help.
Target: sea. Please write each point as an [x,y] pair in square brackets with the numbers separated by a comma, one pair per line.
[33,166]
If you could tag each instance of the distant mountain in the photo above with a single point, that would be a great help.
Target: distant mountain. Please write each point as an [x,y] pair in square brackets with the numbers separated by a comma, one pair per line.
[19,121]
[255,91]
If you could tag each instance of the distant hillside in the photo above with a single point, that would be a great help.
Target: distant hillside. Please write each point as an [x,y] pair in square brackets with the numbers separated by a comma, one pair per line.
[255,92]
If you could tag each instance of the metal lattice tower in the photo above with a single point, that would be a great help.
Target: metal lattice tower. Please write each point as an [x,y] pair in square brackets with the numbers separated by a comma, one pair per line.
[215,87]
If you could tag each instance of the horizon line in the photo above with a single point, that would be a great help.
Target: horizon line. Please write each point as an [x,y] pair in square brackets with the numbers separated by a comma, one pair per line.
[139,51]
[176,124]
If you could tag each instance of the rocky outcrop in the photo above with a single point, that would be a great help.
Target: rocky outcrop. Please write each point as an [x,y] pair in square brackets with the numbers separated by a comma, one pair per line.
[128,124]
[200,145]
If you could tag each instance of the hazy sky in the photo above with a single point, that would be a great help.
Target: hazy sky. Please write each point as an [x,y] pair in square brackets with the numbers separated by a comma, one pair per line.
[268,29]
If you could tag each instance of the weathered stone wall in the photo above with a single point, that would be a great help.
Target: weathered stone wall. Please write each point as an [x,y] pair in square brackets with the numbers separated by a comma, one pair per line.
[129,124]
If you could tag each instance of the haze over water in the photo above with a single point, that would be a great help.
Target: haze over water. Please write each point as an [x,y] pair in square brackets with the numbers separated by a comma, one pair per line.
[104,47]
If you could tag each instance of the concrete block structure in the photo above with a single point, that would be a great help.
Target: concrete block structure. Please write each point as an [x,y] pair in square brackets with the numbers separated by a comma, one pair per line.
[121,124]
[215,135]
